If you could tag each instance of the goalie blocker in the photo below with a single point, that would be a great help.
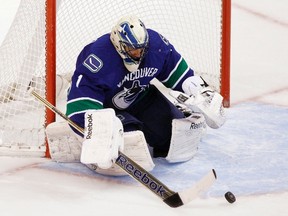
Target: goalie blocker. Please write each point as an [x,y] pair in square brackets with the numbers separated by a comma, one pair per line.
[103,138]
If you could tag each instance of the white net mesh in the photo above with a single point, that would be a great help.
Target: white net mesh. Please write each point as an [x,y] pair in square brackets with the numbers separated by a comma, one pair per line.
[22,120]
[192,26]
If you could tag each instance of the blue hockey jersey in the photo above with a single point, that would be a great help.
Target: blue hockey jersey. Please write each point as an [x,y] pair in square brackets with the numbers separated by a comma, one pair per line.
[101,80]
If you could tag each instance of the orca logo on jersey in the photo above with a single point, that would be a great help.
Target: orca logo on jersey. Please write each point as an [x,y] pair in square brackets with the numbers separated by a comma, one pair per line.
[93,63]
[124,98]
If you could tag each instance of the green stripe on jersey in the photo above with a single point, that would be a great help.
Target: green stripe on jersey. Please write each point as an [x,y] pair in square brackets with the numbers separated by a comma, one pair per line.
[177,74]
[81,106]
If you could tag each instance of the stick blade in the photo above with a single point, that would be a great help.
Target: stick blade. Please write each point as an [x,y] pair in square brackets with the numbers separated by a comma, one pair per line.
[184,197]
[203,184]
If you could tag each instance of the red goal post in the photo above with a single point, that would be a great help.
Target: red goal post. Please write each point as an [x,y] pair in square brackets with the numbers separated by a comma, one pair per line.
[50,63]
[225,53]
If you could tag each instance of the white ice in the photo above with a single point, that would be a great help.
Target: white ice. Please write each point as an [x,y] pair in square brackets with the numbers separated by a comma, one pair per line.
[249,152]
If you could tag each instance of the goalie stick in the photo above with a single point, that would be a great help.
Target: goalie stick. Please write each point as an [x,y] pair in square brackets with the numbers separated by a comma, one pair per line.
[171,198]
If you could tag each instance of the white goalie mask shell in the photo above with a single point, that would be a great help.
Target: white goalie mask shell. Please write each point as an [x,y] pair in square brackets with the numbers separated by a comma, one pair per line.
[130,31]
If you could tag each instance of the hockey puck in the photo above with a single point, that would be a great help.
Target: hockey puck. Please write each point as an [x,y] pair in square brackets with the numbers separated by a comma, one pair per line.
[229,196]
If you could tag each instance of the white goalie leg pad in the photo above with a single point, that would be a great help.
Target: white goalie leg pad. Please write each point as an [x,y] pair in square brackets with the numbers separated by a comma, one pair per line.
[207,102]
[64,144]
[186,135]
[136,148]
[103,138]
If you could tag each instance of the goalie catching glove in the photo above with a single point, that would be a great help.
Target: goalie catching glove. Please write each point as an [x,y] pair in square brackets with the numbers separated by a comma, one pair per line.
[103,138]
[199,97]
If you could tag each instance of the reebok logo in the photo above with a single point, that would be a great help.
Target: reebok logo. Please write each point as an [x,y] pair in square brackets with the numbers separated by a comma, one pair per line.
[142,176]
[197,125]
[89,126]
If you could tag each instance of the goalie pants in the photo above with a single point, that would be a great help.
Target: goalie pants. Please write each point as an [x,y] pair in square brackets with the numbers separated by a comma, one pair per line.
[153,115]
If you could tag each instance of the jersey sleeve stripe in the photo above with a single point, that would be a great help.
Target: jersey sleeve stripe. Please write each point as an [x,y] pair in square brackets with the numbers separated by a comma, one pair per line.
[81,105]
[172,71]
[84,98]
[175,77]
[176,83]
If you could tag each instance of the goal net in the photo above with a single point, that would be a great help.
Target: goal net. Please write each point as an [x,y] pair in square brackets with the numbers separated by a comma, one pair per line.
[194,27]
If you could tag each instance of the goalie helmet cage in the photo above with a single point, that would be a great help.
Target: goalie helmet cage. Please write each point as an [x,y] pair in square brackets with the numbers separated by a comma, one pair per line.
[31,56]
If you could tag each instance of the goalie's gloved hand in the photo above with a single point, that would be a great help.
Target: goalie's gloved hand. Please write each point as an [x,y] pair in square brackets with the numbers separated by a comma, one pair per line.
[199,97]
[193,85]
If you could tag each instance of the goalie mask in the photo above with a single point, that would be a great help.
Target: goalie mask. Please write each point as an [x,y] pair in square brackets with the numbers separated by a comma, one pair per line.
[130,38]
